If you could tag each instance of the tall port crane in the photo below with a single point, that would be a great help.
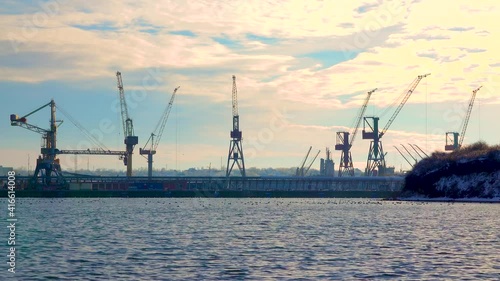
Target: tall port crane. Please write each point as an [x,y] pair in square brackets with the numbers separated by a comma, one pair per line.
[452,142]
[375,163]
[235,155]
[48,168]
[344,144]
[158,132]
[128,127]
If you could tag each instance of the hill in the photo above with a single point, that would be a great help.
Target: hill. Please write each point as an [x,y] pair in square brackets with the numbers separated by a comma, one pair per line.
[470,172]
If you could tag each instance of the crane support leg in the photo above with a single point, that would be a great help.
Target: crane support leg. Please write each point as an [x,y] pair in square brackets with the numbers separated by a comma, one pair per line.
[343,144]
[150,166]
[48,174]
[235,156]
[375,164]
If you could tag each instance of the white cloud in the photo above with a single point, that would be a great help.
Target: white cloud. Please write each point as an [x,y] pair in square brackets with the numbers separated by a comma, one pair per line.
[397,41]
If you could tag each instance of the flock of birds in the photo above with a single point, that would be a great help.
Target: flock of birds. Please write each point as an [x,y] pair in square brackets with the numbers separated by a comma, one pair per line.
[221,202]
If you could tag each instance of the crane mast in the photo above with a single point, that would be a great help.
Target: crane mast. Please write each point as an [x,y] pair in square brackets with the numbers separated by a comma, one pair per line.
[128,127]
[455,143]
[375,164]
[344,144]
[158,132]
[235,155]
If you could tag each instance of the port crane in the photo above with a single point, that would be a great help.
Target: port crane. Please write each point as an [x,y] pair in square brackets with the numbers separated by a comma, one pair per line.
[311,163]
[375,163]
[300,169]
[304,169]
[420,149]
[401,153]
[235,155]
[158,132]
[419,152]
[344,144]
[128,127]
[452,141]
[48,169]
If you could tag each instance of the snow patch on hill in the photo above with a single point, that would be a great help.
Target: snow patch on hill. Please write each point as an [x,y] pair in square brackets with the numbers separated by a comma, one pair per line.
[483,185]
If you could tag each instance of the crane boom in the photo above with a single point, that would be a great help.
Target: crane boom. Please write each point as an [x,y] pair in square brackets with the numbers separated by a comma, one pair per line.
[163,121]
[30,127]
[310,164]
[467,116]
[409,153]
[360,116]
[410,90]
[403,156]
[305,158]
[128,127]
[97,151]
[422,151]
[300,169]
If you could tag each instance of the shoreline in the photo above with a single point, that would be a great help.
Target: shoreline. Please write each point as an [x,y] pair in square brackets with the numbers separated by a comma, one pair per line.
[449,200]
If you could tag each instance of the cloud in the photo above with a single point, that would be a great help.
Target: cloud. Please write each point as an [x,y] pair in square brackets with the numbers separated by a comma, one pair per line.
[317,58]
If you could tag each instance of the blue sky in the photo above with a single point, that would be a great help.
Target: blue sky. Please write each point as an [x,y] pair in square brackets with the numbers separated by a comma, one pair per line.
[303,70]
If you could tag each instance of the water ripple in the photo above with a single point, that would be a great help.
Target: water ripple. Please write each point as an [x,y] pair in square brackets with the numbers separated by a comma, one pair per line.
[255,239]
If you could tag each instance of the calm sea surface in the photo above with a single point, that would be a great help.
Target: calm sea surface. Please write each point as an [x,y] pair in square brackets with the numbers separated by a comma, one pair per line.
[253,239]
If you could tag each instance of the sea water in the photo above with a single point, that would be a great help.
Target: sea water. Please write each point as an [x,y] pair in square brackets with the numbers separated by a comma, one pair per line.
[253,239]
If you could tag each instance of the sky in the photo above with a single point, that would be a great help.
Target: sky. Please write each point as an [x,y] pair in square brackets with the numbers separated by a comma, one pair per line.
[303,69]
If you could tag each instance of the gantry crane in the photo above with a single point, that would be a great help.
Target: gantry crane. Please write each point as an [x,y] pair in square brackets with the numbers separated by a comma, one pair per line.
[235,155]
[375,163]
[158,132]
[344,144]
[452,142]
[48,169]
[47,166]
[128,127]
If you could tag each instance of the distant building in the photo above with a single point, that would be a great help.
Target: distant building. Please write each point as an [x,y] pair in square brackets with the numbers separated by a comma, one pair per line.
[5,170]
[327,167]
